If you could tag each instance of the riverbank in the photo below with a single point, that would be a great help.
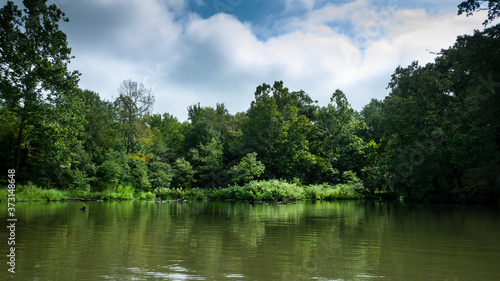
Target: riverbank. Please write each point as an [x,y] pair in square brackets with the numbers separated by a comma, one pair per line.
[272,190]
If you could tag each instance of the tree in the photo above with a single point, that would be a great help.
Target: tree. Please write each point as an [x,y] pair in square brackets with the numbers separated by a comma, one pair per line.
[35,84]
[248,169]
[169,136]
[139,174]
[132,104]
[441,130]
[209,123]
[371,114]
[471,6]
[113,171]
[335,139]
[101,129]
[207,160]
[160,174]
[183,174]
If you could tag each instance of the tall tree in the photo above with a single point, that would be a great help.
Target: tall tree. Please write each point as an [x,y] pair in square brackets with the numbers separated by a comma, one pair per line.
[441,124]
[168,143]
[132,104]
[35,84]
[335,138]
[101,129]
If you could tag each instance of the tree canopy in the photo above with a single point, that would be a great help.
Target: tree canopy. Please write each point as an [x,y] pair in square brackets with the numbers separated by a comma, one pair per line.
[469,7]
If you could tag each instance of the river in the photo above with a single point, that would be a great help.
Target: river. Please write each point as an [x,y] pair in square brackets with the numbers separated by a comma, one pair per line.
[342,240]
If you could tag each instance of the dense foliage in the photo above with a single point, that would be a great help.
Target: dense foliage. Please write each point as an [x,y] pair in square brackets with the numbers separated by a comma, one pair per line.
[435,137]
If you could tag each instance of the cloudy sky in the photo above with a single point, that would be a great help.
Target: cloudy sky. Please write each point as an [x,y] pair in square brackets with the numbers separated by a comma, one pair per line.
[219,51]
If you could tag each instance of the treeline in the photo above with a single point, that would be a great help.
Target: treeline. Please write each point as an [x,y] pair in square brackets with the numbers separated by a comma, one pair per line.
[435,137]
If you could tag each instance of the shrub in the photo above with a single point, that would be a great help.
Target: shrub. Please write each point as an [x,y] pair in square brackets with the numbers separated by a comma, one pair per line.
[139,174]
[112,172]
[314,192]
[160,174]
[169,193]
[176,193]
[146,195]
[260,190]
[183,173]
[195,194]
[248,169]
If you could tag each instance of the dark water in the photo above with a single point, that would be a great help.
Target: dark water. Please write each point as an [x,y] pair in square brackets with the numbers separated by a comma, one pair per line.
[138,240]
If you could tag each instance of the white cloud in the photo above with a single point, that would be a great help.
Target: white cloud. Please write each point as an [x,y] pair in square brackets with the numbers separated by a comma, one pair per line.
[291,5]
[186,59]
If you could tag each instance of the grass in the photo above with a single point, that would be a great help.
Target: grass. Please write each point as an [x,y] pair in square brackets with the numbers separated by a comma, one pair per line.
[271,190]
[30,192]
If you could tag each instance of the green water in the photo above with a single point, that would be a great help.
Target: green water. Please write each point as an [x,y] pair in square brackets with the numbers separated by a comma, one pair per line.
[352,240]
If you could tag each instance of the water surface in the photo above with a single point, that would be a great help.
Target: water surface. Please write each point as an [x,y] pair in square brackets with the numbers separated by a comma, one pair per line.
[345,240]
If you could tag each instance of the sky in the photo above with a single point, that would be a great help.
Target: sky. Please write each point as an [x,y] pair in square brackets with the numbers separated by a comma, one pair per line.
[219,51]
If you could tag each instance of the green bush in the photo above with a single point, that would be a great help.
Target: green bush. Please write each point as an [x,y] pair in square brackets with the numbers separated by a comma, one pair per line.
[183,174]
[314,192]
[112,172]
[139,174]
[248,169]
[339,191]
[169,193]
[223,193]
[146,195]
[176,193]
[160,174]
[260,190]
[195,194]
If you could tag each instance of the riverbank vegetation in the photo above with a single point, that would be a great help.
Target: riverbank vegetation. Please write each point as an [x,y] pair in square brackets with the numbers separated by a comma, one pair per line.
[435,137]
[255,191]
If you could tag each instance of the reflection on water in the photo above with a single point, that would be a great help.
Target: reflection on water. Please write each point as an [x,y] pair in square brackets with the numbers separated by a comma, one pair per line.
[347,240]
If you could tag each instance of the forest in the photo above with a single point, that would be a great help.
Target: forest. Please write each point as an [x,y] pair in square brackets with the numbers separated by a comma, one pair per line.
[435,137]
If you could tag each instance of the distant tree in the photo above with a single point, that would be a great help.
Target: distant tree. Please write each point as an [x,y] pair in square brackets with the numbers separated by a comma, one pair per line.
[471,6]
[132,104]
